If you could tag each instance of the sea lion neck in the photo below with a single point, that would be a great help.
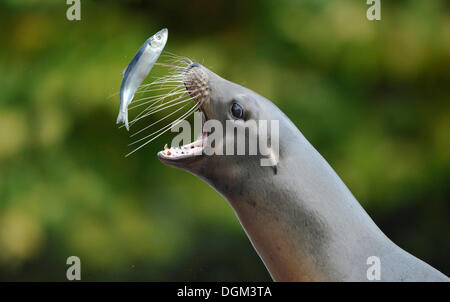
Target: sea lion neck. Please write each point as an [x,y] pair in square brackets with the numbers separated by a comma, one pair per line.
[296,219]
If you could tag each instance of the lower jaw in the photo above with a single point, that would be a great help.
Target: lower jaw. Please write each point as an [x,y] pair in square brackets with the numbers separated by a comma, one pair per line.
[186,151]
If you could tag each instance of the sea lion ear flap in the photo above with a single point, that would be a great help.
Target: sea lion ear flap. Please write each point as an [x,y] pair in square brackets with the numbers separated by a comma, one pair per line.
[271,160]
[270,154]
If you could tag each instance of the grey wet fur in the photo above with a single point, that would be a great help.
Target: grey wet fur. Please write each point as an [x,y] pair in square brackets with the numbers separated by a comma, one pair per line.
[301,218]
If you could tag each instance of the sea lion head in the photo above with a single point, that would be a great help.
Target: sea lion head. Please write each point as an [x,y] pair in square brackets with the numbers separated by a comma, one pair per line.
[233,106]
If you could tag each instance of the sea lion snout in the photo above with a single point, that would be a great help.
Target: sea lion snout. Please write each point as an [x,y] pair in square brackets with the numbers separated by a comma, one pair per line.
[196,82]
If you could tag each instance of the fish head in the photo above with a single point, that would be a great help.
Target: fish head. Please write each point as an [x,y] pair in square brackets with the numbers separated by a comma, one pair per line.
[159,39]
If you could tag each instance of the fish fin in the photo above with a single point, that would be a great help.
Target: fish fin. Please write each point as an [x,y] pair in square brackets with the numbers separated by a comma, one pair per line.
[123,118]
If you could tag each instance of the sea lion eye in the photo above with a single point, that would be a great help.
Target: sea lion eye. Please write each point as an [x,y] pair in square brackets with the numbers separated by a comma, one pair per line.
[237,110]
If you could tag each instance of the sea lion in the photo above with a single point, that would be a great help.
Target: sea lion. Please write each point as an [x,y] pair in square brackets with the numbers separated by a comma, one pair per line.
[301,218]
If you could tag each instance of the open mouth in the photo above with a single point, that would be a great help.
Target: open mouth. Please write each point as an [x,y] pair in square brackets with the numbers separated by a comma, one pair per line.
[189,150]
[196,83]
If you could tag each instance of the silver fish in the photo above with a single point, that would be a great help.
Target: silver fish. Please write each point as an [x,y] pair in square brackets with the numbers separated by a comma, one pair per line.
[137,71]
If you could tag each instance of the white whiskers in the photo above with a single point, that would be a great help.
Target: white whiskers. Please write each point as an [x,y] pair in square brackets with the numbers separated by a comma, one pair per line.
[167,92]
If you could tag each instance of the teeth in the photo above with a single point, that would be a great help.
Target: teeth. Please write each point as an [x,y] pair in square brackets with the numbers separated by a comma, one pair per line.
[192,149]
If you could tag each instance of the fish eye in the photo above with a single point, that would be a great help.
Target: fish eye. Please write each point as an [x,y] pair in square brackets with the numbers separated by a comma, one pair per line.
[236,110]
[158,37]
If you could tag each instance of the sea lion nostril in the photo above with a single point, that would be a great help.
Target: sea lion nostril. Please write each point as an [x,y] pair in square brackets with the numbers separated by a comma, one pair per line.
[195,64]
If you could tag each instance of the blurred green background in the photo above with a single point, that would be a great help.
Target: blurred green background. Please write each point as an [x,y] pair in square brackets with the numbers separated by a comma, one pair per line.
[372,97]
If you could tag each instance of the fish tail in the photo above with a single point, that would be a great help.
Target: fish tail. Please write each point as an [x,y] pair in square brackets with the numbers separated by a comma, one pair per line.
[123,118]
